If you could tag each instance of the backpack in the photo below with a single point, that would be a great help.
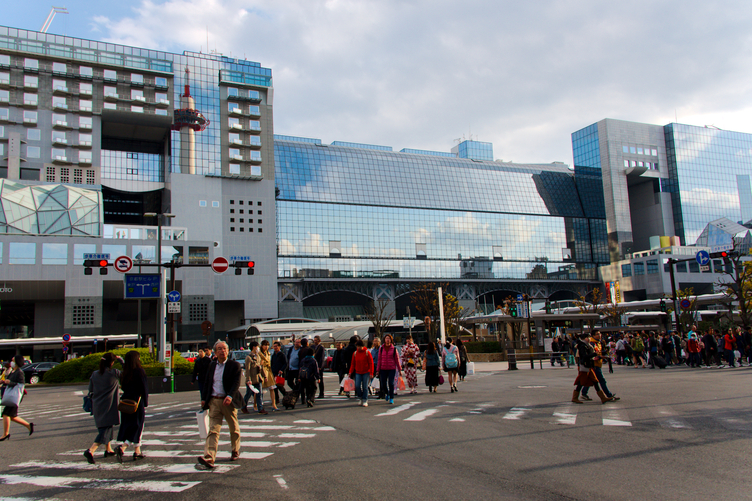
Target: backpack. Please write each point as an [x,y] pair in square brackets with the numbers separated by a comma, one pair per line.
[450,359]
[307,368]
[639,345]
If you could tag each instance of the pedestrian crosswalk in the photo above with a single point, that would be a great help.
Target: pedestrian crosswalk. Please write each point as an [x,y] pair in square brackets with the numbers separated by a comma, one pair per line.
[171,447]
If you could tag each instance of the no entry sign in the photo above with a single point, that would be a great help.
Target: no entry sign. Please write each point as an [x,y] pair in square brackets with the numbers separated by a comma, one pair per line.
[220,265]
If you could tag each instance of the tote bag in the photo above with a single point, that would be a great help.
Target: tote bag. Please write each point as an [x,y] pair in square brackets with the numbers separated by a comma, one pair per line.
[12,396]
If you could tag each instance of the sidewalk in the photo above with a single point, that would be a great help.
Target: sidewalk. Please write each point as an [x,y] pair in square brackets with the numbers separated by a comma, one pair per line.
[521,365]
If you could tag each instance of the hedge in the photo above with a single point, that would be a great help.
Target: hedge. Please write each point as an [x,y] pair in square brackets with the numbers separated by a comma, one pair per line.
[80,369]
[483,347]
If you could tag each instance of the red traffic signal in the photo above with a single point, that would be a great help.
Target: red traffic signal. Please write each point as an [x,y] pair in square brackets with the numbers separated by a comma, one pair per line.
[102,264]
[248,265]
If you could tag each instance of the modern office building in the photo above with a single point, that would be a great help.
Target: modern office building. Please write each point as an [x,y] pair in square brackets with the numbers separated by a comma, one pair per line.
[358,223]
[93,136]
[685,184]
[667,180]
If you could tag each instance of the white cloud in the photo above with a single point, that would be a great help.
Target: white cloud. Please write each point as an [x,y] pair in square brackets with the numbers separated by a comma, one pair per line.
[419,74]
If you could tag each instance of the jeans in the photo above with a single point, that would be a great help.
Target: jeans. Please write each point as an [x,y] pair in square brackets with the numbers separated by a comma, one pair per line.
[601,380]
[258,396]
[386,378]
[730,357]
[361,386]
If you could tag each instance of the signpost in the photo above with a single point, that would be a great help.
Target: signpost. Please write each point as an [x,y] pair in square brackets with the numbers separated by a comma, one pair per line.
[685,304]
[703,258]
[142,286]
[123,264]
[220,265]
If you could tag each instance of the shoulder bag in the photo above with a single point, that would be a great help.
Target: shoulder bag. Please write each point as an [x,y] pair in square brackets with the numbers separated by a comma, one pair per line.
[127,406]
[12,395]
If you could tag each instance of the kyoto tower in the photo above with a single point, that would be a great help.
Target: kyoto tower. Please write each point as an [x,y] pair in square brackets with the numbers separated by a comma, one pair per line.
[188,120]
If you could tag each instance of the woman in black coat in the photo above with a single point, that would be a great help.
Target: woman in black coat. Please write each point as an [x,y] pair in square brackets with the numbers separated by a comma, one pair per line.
[133,384]
[279,368]
[104,386]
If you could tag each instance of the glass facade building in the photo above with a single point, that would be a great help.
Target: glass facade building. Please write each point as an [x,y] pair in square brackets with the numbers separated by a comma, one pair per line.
[347,212]
[652,180]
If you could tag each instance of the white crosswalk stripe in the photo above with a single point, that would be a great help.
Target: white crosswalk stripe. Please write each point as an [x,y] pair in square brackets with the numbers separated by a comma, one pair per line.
[422,415]
[398,409]
[115,484]
[564,414]
[516,413]
[131,467]
[615,416]
[668,419]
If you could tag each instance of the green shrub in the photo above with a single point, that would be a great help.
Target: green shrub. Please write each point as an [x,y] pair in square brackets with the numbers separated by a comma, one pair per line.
[483,347]
[80,369]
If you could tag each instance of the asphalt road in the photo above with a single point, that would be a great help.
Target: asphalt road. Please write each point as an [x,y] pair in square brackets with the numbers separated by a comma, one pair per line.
[677,434]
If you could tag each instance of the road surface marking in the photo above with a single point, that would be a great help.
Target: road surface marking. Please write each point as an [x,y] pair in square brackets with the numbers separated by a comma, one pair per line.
[183,454]
[296,435]
[155,468]
[95,483]
[615,416]
[398,409]
[280,481]
[306,421]
[564,415]
[422,415]
[457,420]
[668,419]
[516,413]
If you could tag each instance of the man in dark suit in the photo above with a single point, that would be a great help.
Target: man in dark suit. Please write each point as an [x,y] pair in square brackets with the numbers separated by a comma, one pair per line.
[200,366]
[221,397]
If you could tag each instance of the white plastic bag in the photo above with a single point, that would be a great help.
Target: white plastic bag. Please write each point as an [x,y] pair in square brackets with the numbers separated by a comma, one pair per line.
[202,417]
[470,368]
[376,384]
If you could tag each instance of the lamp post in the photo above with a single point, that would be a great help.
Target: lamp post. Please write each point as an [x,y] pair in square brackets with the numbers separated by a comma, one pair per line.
[160,301]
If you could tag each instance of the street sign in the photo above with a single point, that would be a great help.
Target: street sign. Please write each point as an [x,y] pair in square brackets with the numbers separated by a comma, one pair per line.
[142,286]
[97,257]
[123,264]
[685,304]
[220,265]
[66,337]
[173,307]
[408,322]
[702,257]
[173,296]
[65,349]
[519,297]
[168,350]
[704,268]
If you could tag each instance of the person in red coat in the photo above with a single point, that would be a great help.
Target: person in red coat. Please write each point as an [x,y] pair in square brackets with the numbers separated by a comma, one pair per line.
[361,369]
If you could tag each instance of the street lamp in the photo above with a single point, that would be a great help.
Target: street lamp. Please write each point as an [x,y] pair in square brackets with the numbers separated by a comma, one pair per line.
[160,301]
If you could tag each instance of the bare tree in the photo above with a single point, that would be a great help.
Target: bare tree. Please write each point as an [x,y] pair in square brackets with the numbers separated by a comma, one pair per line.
[595,305]
[380,318]
[738,268]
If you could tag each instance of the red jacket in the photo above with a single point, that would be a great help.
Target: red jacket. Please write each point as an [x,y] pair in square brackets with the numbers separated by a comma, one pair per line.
[362,362]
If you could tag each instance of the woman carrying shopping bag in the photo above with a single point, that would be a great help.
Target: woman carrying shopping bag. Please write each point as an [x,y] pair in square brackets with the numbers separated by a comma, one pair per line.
[410,359]
[135,390]
[388,367]
[104,385]
[13,388]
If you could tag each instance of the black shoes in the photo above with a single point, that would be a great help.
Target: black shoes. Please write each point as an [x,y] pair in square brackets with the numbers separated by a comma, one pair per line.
[31,428]
[119,452]
[107,454]
[89,456]
[136,457]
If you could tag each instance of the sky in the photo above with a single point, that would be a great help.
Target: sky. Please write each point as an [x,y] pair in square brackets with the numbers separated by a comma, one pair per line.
[424,74]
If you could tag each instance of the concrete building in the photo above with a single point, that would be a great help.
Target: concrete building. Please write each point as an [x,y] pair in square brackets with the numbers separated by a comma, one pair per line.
[93,136]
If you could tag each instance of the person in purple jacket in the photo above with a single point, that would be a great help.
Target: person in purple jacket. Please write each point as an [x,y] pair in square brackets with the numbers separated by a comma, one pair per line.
[388,366]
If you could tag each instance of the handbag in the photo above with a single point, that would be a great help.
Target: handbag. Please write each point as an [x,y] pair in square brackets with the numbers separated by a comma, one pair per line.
[401,383]
[202,417]
[88,407]
[127,406]
[12,396]
[279,381]
[441,379]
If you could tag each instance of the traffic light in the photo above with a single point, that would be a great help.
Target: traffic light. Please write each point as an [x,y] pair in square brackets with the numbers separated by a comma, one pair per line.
[95,263]
[248,265]
[663,306]
[723,255]
[513,311]
[548,307]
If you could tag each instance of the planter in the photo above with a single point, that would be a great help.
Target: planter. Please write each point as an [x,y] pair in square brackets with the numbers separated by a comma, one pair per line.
[487,357]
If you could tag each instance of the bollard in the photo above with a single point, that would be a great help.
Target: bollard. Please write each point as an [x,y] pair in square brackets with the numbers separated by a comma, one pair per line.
[511,359]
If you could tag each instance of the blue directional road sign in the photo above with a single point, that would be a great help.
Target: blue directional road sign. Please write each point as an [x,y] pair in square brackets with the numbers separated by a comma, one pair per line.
[173,296]
[519,297]
[703,258]
[139,286]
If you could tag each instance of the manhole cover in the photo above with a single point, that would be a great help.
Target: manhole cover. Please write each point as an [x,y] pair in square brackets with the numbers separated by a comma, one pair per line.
[532,387]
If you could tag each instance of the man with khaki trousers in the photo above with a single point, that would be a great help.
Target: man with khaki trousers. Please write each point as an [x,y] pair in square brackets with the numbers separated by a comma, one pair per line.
[220,395]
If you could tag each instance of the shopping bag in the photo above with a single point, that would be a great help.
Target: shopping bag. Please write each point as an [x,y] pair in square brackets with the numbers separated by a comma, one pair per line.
[401,383]
[87,404]
[737,354]
[202,417]
[279,381]
[348,384]
[470,368]
[12,396]
[376,384]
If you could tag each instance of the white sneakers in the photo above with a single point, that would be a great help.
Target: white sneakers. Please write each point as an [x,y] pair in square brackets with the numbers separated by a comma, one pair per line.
[365,404]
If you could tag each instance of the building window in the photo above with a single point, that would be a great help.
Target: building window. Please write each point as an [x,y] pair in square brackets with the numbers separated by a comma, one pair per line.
[136,78]
[198,312]
[260,230]
[110,75]
[160,81]
[694,267]
[250,230]
[232,228]
[58,119]
[240,202]
[22,253]
[85,71]
[59,102]
[31,64]
[78,176]
[84,157]
[83,315]
[109,106]
[58,153]
[58,137]
[198,255]
[84,139]
[137,94]
[4,96]
[30,99]
[59,85]
[259,221]
[232,91]
[255,140]
[55,254]
[255,125]
[254,94]
[652,266]
[31,81]
[137,109]
[233,106]
[242,220]
[50,175]
[242,229]
[65,176]
[85,122]
[681,267]
[215,203]
[4,114]
[110,91]
[232,219]
[202,203]
[232,211]
[59,67]
[255,155]
[33,152]
[32,134]
[85,88]
[91,177]
[80,249]
[639,268]
[258,212]
[255,170]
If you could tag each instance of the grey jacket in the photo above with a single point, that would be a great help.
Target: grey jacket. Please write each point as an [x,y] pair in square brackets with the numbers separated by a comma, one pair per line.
[104,398]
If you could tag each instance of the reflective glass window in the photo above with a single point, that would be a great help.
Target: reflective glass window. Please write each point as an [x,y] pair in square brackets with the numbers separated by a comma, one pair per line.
[110,75]
[58,84]
[85,71]
[85,122]
[30,99]
[232,91]
[59,67]
[33,134]
[4,114]
[639,268]
[137,94]
[137,78]
[160,81]
[30,116]
[31,81]
[31,63]
[54,254]
[22,252]
[33,152]
[4,96]
[85,88]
